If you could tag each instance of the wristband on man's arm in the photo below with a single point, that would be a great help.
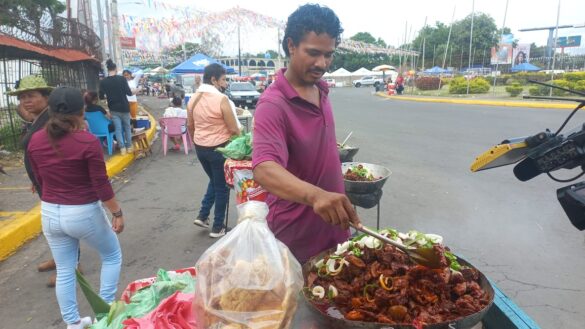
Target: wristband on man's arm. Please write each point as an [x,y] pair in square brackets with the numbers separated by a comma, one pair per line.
[117,213]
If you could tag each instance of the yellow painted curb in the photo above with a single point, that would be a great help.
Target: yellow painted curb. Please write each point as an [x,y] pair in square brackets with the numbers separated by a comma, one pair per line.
[481,102]
[28,226]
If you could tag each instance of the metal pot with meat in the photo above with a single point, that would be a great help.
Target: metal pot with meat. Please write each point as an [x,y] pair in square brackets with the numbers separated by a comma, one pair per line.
[364,283]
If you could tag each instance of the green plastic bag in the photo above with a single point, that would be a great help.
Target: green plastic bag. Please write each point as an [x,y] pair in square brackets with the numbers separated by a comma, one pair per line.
[146,299]
[98,305]
[240,148]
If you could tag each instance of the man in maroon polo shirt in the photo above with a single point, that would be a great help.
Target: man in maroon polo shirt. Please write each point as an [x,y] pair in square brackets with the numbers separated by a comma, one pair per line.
[295,154]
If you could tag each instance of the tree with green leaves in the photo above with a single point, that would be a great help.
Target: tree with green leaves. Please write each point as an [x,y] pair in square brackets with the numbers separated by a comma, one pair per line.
[485,35]
[191,49]
[368,38]
[31,16]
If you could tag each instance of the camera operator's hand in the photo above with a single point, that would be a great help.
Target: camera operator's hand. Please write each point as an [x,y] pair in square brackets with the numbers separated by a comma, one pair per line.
[335,209]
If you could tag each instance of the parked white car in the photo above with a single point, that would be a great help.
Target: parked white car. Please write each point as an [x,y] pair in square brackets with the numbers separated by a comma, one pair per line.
[368,81]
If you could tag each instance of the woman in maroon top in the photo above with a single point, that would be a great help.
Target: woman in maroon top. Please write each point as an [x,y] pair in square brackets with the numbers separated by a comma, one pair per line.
[68,163]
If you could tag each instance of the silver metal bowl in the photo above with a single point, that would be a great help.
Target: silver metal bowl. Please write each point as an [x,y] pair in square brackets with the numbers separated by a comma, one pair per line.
[347,153]
[366,187]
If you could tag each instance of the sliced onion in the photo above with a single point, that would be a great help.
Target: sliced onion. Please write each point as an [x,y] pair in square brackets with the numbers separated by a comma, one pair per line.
[341,248]
[333,291]
[434,238]
[319,263]
[318,292]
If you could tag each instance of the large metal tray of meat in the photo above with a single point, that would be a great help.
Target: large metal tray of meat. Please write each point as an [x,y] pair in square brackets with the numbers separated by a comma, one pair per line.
[332,322]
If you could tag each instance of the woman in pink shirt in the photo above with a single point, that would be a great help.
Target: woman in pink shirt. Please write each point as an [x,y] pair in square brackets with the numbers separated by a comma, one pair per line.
[212,123]
[68,163]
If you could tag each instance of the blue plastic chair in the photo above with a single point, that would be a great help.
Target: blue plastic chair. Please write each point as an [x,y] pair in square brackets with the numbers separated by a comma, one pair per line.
[98,125]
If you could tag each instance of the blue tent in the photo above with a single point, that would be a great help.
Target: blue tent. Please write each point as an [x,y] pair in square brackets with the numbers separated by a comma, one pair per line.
[525,67]
[436,70]
[197,64]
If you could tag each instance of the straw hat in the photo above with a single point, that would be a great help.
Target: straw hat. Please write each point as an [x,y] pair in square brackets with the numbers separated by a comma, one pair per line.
[28,83]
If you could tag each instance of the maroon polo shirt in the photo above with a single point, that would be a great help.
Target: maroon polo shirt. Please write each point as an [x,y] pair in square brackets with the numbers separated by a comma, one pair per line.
[300,137]
[74,175]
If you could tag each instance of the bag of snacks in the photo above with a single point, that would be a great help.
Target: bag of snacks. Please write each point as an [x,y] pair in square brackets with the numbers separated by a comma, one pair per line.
[248,279]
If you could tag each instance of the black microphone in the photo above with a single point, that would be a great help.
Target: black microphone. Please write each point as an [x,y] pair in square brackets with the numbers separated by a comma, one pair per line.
[527,169]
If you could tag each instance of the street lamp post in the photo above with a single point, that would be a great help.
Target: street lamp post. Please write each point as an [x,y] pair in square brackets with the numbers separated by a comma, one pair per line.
[239,52]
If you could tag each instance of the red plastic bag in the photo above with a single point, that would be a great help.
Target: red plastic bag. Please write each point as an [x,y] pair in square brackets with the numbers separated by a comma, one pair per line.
[175,312]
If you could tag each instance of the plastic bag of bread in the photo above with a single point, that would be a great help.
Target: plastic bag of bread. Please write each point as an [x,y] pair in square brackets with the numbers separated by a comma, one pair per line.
[248,279]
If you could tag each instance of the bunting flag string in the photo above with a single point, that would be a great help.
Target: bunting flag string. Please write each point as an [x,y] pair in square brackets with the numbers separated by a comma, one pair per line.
[155,33]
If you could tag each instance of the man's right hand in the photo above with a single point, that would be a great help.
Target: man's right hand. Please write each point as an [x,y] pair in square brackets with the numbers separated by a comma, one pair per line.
[335,209]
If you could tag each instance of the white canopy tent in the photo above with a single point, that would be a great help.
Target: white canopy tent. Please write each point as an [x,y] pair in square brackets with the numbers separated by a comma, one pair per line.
[361,72]
[341,73]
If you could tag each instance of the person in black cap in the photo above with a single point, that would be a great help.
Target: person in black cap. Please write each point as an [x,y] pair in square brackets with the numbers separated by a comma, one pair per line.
[68,164]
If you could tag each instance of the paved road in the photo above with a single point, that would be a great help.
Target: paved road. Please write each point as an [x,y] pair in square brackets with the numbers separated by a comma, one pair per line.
[515,232]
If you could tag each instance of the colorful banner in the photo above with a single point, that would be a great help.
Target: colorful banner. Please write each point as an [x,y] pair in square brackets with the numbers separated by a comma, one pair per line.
[502,54]
[521,53]
[154,34]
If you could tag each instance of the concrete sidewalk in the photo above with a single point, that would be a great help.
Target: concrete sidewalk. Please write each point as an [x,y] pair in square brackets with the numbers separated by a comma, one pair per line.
[482,101]
[20,217]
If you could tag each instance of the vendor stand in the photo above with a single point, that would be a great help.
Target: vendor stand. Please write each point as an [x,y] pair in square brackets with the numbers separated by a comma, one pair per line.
[501,314]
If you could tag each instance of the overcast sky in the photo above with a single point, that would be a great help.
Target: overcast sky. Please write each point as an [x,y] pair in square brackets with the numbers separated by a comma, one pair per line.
[387,19]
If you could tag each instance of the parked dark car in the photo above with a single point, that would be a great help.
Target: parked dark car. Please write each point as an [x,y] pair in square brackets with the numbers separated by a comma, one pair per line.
[243,94]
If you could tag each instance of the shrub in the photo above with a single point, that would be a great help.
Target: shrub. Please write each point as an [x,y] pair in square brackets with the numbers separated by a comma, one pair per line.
[536,91]
[514,89]
[476,86]
[427,83]
[579,86]
[574,76]
[561,83]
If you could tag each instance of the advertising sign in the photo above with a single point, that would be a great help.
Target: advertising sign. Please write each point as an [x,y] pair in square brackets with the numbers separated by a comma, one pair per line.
[502,54]
[572,41]
[128,42]
[521,53]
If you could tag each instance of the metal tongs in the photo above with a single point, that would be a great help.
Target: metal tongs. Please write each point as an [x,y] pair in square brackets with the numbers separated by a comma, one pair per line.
[422,256]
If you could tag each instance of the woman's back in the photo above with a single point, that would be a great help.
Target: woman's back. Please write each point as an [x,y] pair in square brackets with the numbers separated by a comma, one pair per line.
[210,126]
[72,172]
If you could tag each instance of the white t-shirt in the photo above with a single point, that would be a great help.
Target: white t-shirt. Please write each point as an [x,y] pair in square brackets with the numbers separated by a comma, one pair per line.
[133,85]
[175,112]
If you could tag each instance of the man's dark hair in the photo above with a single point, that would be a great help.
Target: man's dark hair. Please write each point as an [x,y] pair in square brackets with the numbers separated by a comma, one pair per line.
[127,71]
[213,71]
[177,101]
[311,17]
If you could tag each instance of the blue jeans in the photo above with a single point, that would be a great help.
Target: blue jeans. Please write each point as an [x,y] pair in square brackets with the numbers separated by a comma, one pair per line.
[217,190]
[64,226]
[122,126]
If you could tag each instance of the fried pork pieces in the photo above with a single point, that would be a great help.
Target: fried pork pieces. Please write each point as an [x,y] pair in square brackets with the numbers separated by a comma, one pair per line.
[383,285]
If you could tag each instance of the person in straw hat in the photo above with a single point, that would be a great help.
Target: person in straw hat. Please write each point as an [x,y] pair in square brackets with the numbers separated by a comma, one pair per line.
[33,95]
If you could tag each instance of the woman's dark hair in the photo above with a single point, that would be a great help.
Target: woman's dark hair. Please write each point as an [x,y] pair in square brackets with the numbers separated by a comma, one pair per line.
[126,71]
[213,71]
[110,65]
[311,18]
[65,107]
[89,97]
[177,101]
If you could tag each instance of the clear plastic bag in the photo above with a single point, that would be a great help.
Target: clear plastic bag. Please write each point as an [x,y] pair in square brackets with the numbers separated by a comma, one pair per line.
[248,279]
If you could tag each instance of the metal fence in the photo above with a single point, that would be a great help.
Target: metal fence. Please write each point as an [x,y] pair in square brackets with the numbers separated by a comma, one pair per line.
[59,32]
[48,32]
[82,75]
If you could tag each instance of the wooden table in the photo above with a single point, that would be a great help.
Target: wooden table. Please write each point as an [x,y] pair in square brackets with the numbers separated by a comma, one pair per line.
[141,145]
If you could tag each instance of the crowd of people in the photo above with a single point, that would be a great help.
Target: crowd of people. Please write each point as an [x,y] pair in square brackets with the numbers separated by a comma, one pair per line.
[294,142]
